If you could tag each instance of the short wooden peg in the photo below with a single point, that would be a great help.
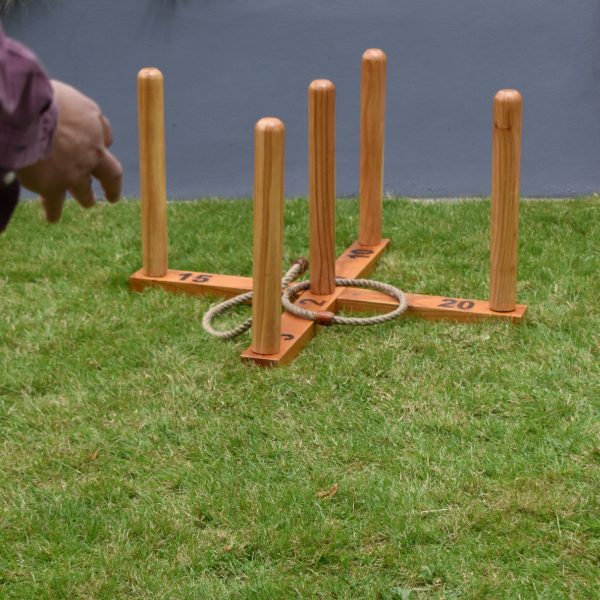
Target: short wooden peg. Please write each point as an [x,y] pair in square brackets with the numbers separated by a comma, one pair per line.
[269,140]
[321,188]
[153,189]
[372,127]
[506,157]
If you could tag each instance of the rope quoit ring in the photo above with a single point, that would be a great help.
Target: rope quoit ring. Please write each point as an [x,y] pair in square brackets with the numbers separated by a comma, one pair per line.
[289,295]
[298,267]
[327,318]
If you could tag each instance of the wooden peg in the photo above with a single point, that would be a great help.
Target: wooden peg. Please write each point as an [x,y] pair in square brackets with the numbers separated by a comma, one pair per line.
[269,140]
[321,187]
[506,157]
[153,188]
[372,127]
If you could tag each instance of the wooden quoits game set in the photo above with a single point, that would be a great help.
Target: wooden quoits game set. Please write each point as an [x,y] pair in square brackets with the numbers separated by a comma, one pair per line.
[278,337]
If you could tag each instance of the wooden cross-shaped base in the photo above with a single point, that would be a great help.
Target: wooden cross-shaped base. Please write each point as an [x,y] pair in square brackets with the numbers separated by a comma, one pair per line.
[355,262]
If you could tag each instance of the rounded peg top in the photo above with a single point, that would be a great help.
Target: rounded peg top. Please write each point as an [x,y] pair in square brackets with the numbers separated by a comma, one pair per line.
[507,108]
[508,97]
[374,55]
[269,125]
[320,85]
[150,73]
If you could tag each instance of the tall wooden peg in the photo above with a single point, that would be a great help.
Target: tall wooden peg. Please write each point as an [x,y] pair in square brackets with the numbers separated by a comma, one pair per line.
[153,185]
[506,158]
[321,187]
[372,127]
[278,337]
[269,140]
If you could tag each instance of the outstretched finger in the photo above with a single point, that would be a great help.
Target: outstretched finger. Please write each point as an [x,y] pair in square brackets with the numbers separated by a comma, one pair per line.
[83,193]
[53,205]
[110,174]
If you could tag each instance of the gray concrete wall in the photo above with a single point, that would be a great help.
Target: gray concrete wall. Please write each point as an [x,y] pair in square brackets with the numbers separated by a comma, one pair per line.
[229,62]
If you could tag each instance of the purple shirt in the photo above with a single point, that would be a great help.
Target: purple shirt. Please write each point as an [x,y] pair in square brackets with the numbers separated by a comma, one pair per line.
[27,112]
[28,118]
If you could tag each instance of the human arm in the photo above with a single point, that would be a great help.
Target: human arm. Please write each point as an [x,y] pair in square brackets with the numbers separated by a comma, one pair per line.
[51,135]
[79,150]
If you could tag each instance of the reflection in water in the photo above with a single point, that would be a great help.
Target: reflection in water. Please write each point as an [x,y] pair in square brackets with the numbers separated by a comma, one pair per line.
[7,5]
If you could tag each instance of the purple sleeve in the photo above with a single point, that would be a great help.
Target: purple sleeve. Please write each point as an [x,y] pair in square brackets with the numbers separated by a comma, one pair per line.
[27,112]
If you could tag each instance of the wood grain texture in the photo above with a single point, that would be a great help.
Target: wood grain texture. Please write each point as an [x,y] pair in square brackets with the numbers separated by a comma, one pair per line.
[372,131]
[506,158]
[153,186]
[354,299]
[321,185]
[269,140]
[356,261]
[192,282]
[433,308]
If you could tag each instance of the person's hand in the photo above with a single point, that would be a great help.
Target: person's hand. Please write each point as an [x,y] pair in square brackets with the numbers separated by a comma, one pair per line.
[78,151]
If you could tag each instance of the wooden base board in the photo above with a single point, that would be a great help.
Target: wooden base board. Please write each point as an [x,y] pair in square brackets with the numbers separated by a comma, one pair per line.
[193,282]
[356,261]
[427,307]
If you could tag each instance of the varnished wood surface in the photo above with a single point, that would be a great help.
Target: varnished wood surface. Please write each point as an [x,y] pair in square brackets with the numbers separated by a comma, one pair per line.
[356,261]
[372,133]
[420,305]
[321,185]
[153,186]
[269,139]
[426,307]
[195,283]
[506,157]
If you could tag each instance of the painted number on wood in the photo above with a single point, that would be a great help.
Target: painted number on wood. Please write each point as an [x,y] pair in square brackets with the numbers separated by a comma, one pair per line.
[454,303]
[197,277]
[311,301]
[359,253]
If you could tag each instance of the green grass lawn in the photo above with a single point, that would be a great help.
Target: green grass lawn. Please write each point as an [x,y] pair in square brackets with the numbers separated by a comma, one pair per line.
[141,459]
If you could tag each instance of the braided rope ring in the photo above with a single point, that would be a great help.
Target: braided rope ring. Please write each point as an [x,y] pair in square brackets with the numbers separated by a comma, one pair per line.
[298,267]
[327,318]
[219,309]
